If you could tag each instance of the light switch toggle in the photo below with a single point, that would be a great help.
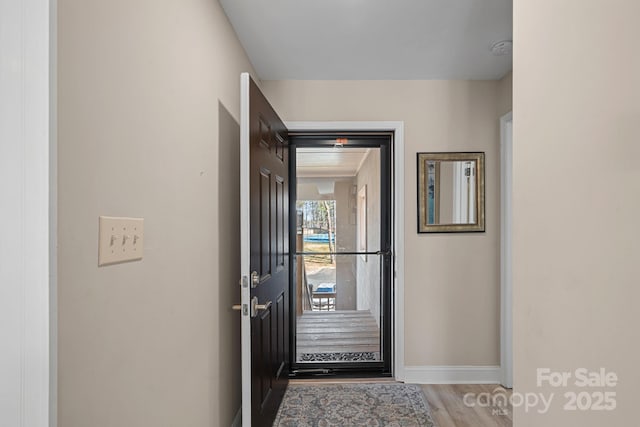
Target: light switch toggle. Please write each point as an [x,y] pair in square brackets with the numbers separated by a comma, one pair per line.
[120,239]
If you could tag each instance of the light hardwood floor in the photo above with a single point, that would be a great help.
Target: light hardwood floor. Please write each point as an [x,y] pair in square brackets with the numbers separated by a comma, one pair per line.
[449,410]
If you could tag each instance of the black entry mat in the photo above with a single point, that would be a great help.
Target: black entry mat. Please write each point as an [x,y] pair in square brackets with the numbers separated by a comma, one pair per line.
[339,357]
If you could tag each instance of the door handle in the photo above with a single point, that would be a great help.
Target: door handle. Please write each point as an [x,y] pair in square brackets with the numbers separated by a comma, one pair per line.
[255,307]
[263,306]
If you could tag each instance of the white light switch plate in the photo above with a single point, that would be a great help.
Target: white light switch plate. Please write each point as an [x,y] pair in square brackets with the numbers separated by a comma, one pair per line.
[120,240]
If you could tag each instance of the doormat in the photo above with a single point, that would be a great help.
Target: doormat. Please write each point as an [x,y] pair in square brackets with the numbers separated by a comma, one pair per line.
[306,405]
[340,357]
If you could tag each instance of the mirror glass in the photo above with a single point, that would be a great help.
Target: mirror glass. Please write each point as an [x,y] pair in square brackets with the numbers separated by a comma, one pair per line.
[450,192]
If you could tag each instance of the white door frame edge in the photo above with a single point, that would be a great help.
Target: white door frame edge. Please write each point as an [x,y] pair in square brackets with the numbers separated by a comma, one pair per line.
[506,286]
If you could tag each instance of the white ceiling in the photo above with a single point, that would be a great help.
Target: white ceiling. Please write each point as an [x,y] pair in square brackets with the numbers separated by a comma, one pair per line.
[329,162]
[373,39]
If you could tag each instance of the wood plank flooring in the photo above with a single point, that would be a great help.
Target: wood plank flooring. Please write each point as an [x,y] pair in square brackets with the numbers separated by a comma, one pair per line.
[337,332]
[448,408]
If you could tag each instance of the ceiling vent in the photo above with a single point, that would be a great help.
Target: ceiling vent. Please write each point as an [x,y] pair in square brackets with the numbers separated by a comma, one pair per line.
[502,48]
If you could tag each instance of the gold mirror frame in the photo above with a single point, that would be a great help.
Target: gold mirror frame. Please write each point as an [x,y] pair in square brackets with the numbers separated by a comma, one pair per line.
[423,225]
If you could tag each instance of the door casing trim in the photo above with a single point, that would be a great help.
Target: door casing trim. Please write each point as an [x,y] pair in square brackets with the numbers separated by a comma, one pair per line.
[245,242]
[506,219]
[397,127]
[28,171]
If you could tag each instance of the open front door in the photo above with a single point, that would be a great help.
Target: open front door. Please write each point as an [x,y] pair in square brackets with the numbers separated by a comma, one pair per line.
[264,208]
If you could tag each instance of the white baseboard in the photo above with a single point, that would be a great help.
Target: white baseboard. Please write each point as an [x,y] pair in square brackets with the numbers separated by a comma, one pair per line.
[237,421]
[452,374]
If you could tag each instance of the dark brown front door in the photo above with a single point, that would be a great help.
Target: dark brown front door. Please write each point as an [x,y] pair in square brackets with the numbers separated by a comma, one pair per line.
[269,257]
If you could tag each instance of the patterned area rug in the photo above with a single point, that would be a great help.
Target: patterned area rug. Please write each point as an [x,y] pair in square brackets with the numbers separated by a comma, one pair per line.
[325,405]
[339,357]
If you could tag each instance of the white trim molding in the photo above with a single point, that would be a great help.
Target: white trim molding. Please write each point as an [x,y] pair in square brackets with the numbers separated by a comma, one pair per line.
[397,127]
[506,285]
[53,213]
[24,213]
[245,246]
[452,374]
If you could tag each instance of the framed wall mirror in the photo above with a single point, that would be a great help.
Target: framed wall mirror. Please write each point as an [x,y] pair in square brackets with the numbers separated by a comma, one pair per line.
[450,192]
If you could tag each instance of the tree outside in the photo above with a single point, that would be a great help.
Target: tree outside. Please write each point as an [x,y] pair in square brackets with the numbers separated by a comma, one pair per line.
[319,232]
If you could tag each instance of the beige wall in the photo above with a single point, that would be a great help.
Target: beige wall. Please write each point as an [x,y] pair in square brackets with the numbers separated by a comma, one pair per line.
[452,280]
[576,133]
[368,266]
[148,106]
[345,242]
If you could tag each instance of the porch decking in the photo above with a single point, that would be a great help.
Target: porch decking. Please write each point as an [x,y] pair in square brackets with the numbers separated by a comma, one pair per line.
[337,332]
